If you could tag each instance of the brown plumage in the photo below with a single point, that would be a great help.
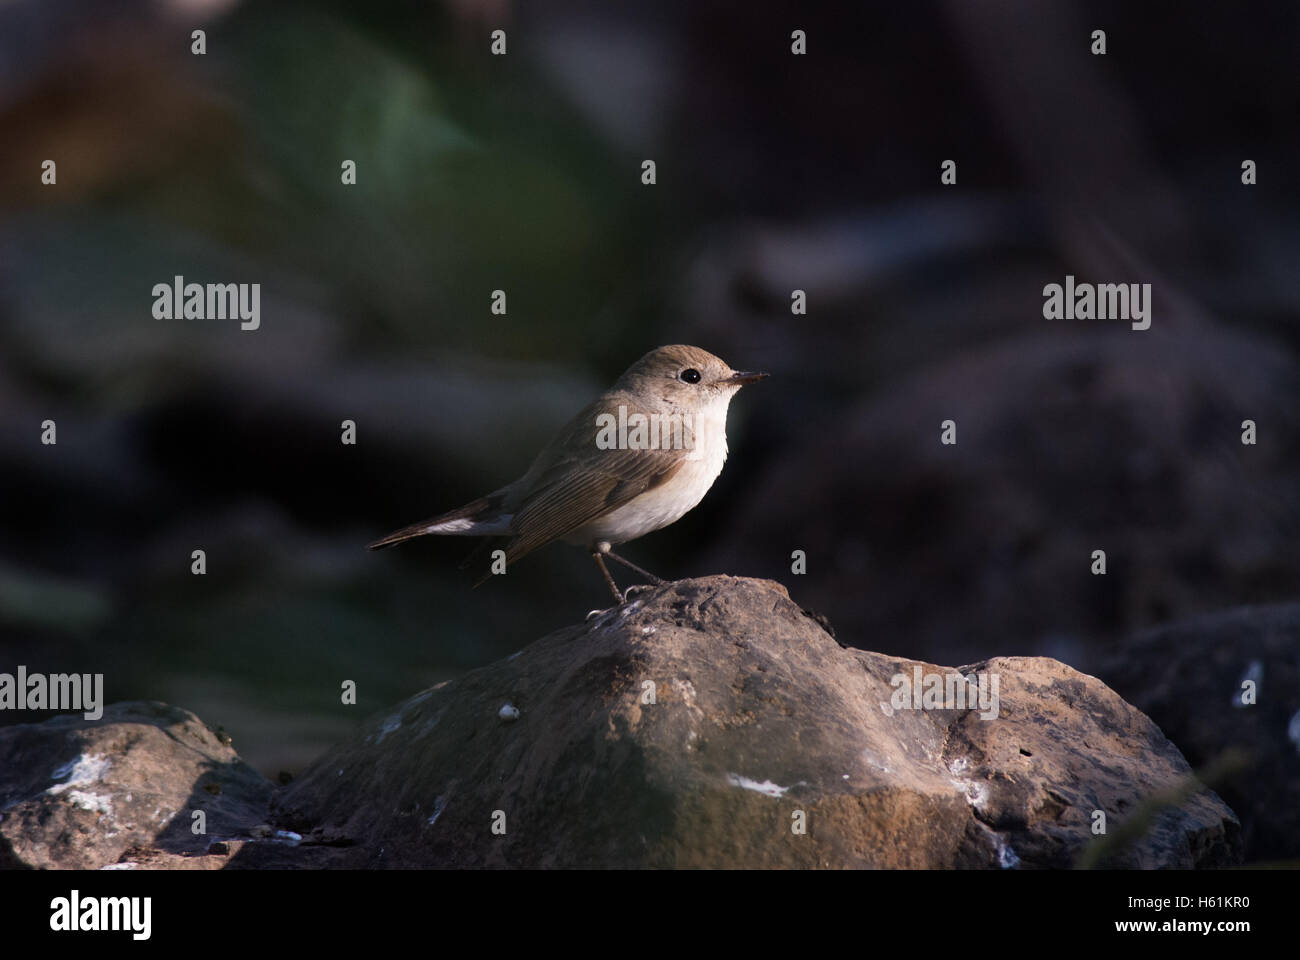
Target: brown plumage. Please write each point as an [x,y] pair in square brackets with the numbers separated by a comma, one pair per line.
[581,493]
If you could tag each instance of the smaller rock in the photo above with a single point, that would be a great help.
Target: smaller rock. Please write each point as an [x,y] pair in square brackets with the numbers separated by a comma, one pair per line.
[80,794]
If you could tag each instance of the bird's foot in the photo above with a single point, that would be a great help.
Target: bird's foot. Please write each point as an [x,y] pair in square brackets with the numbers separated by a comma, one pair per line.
[639,588]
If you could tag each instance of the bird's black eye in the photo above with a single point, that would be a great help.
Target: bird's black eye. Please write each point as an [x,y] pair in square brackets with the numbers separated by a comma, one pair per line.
[690,375]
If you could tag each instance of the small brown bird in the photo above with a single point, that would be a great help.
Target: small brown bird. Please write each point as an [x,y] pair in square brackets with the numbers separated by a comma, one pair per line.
[634,461]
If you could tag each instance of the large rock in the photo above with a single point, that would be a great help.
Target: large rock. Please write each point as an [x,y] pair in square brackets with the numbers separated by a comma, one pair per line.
[85,794]
[759,721]
[1189,678]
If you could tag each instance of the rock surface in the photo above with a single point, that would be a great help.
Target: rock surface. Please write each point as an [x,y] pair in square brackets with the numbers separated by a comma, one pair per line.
[1188,677]
[82,794]
[700,725]
[759,722]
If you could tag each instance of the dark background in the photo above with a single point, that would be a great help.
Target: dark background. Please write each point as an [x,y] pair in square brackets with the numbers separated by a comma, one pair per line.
[522,173]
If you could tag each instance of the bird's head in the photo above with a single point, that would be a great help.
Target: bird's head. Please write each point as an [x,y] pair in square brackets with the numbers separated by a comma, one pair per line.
[684,376]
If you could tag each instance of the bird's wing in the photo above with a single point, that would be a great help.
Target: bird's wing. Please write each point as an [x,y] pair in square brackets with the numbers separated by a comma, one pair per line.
[574,482]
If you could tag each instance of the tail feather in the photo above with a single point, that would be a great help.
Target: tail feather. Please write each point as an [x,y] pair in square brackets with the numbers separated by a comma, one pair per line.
[477,518]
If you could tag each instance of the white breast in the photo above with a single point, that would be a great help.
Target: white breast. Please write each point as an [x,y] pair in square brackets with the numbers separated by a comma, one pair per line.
[669,501]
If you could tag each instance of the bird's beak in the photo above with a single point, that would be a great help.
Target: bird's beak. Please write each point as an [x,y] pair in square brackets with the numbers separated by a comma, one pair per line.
[742,376]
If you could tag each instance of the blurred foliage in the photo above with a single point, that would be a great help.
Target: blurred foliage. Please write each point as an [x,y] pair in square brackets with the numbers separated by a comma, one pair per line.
[459,191]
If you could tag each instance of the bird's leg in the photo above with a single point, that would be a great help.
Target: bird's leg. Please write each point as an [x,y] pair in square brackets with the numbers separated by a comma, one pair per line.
[628,563]
[604,571]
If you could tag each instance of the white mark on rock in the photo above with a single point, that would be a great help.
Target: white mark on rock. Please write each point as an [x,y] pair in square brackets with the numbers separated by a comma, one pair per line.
[886,708]
[1293,730]
[508,712]
[1007,858]
[767,787]
[392,723]
[648,629]
[80,771]
[94,802]
[977,794]
[870,759]
[439,805]
[686,689]
[128,865]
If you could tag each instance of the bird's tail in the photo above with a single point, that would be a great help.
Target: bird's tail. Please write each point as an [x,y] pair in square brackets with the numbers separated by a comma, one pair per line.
[478,518]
